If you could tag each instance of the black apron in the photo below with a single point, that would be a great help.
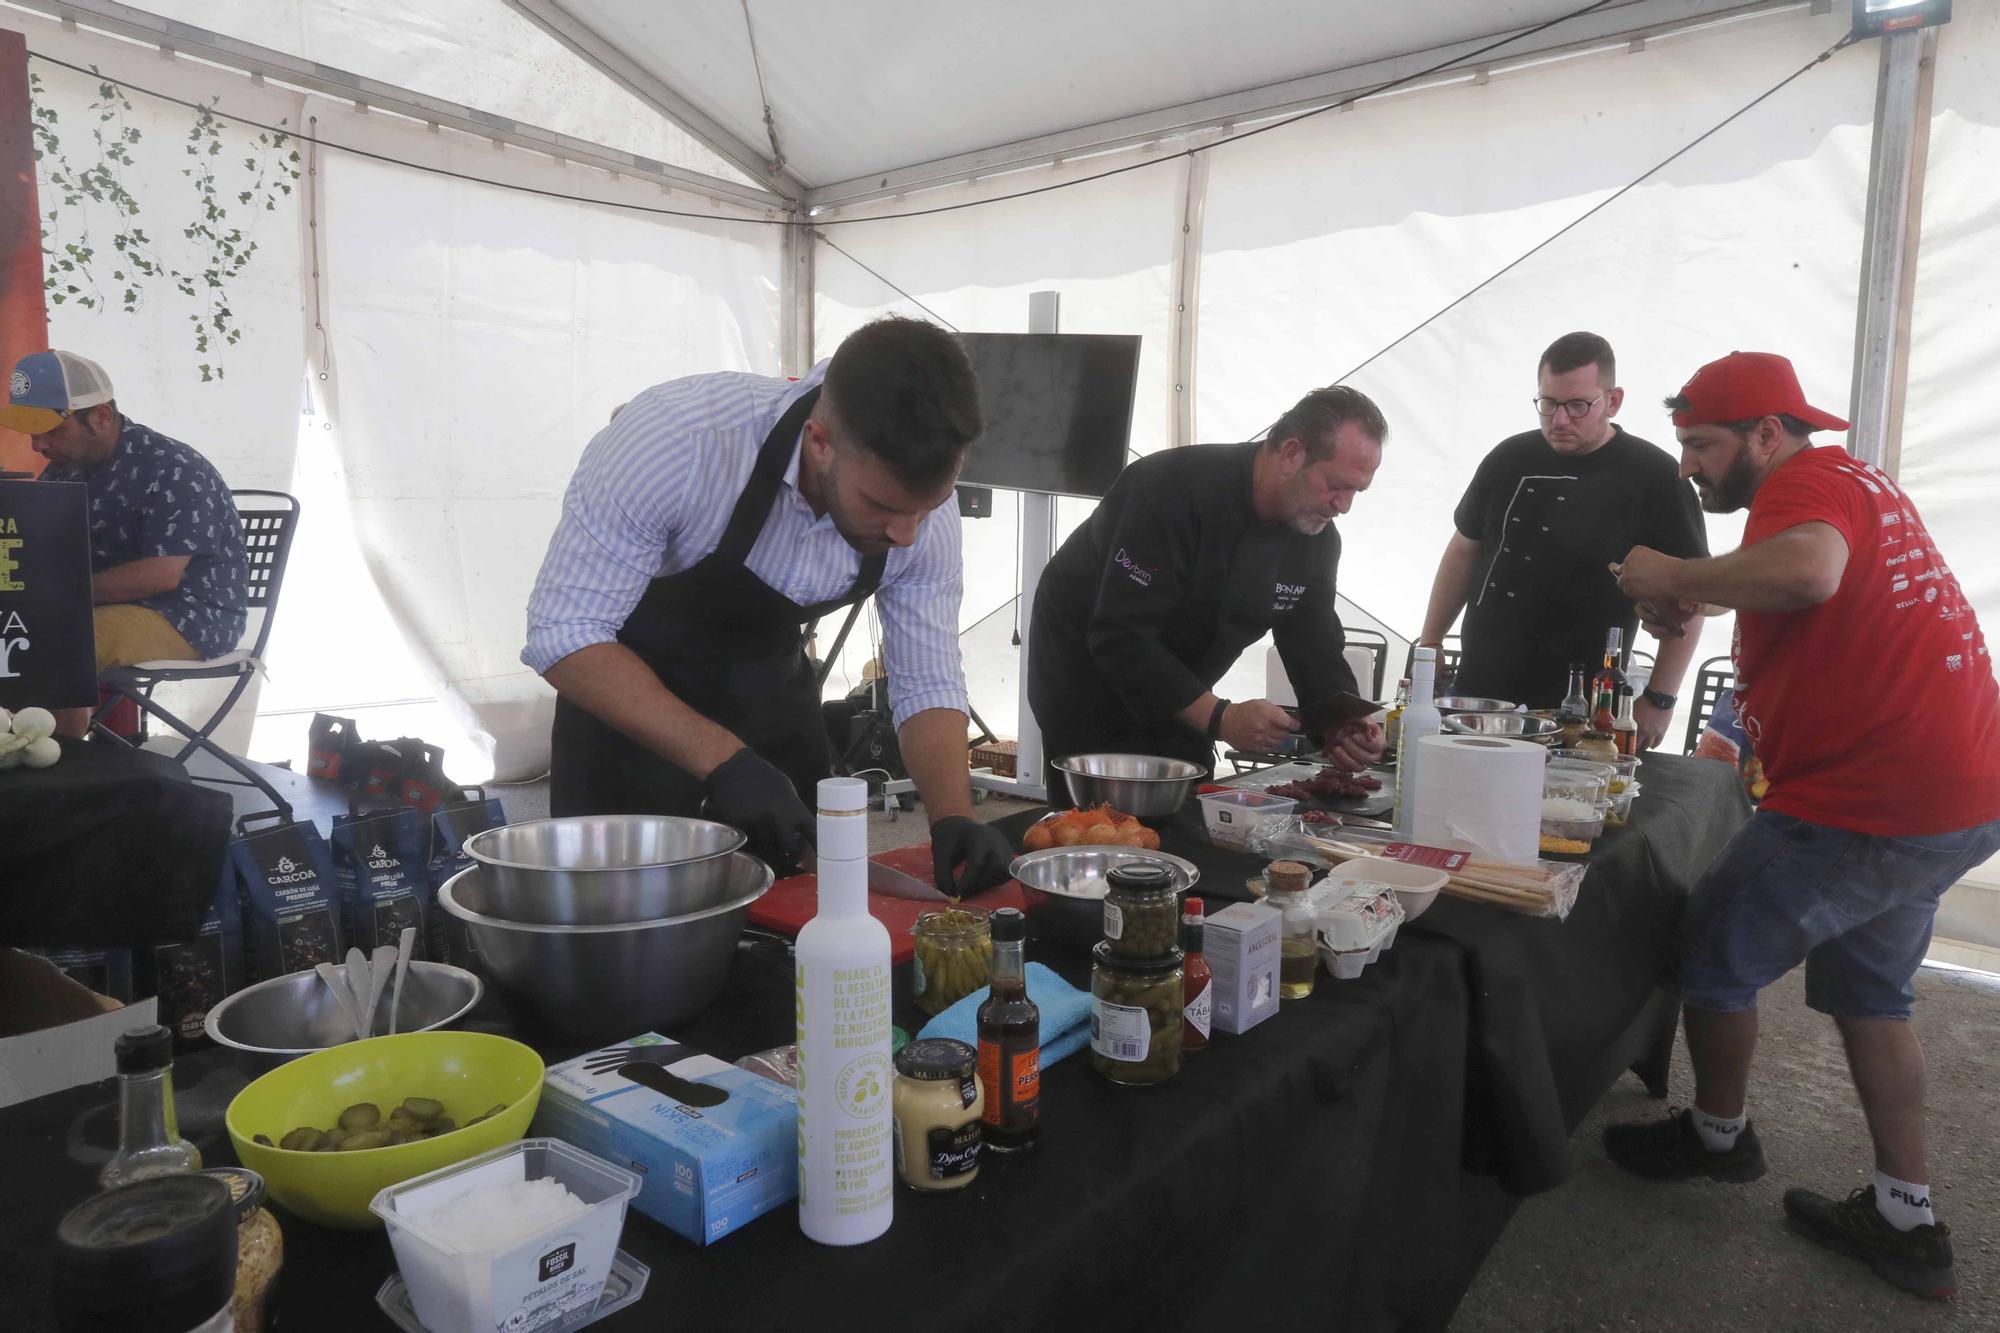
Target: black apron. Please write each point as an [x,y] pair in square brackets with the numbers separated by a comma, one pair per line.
[731,647]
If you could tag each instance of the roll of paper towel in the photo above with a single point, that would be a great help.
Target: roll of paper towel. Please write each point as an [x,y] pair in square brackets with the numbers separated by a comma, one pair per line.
[1480,794]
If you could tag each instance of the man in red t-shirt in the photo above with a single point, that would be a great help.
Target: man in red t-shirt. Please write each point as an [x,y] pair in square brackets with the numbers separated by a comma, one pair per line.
[1866,687]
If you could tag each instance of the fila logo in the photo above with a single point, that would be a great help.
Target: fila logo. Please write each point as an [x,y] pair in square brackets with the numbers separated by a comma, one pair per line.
[1903,1196]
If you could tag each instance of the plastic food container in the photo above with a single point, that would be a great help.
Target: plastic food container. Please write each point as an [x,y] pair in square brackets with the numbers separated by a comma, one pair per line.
[1416,887]
[1231,816]
[550,1279]
[1624,768]
[1354,931]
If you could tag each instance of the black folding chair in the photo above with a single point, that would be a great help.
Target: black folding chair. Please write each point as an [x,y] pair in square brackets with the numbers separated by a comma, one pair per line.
[1377,645]
[270,519]
[1709,683]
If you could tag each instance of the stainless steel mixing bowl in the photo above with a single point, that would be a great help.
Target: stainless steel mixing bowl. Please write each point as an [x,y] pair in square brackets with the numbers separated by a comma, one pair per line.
[294,1015]
[1063,889]
[1145,785]
[1460,703]
[598,982]
[1517,726]
[590,870]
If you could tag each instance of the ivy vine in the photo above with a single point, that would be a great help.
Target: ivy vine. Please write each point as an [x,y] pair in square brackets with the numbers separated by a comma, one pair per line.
[74,270]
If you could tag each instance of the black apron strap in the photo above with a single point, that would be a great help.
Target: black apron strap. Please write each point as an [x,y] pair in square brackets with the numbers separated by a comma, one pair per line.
[754,505]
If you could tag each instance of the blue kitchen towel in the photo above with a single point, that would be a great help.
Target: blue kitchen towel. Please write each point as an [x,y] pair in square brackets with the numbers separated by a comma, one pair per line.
[1065,1016]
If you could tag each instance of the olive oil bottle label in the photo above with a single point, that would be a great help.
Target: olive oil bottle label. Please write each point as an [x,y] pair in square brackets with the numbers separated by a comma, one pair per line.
[1119,1031]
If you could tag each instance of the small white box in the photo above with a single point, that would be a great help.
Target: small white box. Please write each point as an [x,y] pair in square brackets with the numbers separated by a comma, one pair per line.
[1241,945]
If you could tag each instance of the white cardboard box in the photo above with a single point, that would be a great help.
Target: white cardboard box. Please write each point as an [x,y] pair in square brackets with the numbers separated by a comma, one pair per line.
[1241,945]
[55,1059]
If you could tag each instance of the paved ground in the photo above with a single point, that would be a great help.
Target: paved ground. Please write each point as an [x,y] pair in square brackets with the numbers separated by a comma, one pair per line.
[1608,1251]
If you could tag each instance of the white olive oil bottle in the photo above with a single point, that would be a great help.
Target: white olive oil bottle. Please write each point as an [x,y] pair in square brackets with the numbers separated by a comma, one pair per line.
[846,1160]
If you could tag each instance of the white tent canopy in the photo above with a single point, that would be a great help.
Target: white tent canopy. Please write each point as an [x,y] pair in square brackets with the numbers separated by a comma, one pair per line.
[462,339]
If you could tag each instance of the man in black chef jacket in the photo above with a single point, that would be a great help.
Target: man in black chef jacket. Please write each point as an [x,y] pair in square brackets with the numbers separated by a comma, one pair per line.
[1192,557]
[1544,516]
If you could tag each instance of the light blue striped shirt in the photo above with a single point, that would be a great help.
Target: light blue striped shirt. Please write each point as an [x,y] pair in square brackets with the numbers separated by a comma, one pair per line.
[652,494]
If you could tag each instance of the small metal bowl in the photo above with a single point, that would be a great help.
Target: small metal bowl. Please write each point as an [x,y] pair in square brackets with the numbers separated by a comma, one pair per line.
[1517,726]
[1147,786]
[1064,887]
[289,1016]
[596,870]
[1454,703]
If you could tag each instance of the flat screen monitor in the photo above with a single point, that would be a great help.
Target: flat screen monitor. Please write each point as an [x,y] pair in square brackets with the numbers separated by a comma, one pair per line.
[1058,409]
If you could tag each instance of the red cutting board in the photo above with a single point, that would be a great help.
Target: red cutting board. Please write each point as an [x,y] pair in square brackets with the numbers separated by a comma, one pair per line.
[793,901]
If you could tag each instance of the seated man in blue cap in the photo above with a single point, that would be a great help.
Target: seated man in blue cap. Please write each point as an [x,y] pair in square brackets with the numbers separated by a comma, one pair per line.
[168,575]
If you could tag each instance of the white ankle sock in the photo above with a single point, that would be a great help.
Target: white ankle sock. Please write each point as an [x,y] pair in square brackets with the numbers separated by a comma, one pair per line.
[1902,1203]
[1718,1134]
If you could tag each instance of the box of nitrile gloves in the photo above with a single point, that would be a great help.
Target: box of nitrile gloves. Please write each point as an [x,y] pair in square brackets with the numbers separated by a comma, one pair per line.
[716,1145]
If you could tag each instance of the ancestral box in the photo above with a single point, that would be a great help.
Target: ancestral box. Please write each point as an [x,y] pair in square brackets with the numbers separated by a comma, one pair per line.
[716,1145]
[1241,945]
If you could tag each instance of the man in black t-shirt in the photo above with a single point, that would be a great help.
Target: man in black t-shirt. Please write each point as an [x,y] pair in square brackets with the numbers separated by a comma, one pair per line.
[1193,556]
[1546,513]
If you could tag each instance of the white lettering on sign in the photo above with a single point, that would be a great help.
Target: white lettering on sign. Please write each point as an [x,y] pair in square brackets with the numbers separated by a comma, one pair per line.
[8,647]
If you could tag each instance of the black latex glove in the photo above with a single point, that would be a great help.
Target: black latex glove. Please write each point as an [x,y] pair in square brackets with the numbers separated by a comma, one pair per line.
[611,1057]
[747,792]
[983,849]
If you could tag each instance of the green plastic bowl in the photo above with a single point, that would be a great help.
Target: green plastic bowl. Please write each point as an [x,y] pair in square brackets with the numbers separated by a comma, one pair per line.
[467,1071]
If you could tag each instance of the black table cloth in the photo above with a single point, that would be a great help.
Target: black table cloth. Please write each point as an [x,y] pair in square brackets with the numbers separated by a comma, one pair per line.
[1327,1169]
[110,848]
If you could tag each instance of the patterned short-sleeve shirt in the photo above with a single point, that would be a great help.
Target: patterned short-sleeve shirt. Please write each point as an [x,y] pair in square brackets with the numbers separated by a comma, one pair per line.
[156,496]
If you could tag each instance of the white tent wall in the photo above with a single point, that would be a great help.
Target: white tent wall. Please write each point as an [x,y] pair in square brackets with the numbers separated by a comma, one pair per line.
[1948,460]
[478,53]
[246,421]
[1325,241]
[1107,247]
[478,339]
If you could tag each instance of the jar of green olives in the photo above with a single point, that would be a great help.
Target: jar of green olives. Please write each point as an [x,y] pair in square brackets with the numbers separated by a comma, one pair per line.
[1135,1016]
[1142,910]
[953,955]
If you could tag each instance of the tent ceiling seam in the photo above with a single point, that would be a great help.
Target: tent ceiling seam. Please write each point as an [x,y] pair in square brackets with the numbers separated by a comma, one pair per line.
[172,37]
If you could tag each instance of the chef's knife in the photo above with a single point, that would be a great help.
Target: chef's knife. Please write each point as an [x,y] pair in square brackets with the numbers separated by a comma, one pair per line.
[1330,714]
[888,880]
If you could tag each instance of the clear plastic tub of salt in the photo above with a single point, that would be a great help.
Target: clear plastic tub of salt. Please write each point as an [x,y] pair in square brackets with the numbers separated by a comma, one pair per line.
[520,1238]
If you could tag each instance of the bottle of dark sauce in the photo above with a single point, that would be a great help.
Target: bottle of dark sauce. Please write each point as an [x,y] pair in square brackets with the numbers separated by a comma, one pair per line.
[1010,1043]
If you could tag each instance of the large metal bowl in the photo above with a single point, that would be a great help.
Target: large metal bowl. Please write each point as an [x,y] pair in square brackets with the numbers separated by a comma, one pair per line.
[593,870]
[1517,726]
[1063,889]
[598,982]
[1145,785]
[1460,703]
[289,1016]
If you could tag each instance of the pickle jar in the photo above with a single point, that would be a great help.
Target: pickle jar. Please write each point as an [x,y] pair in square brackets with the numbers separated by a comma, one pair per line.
[953,953]
[1142,910]
[1136,1012]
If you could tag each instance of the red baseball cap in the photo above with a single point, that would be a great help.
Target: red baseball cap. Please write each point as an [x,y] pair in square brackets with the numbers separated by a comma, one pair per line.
[1745,386]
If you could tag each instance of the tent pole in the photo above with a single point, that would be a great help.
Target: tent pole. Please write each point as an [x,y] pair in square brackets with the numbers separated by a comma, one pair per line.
[1888,247]
[795,314]
[1182,320]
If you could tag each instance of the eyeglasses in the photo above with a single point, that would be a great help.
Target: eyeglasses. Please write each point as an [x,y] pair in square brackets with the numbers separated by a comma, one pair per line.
[1578,408]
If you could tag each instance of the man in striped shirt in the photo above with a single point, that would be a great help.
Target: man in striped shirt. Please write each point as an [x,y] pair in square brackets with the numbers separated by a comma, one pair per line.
[704,526]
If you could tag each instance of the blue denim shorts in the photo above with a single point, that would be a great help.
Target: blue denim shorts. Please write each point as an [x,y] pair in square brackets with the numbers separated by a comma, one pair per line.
[1855,908]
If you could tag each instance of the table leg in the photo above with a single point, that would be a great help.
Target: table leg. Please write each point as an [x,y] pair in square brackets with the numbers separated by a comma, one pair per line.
[1658,1056]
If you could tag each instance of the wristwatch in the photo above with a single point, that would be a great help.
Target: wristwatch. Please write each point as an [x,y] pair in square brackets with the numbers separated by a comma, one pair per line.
[1660,698]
